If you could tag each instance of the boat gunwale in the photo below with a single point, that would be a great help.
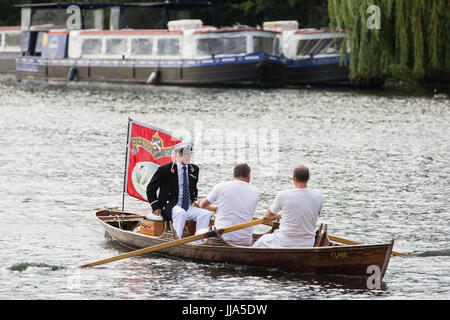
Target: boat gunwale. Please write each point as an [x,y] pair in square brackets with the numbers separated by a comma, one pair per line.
[230,246]
[225,30]
[125,32]
[10,28]
[317,31]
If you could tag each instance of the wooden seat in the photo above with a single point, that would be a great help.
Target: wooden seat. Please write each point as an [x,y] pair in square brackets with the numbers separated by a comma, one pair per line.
[322,237]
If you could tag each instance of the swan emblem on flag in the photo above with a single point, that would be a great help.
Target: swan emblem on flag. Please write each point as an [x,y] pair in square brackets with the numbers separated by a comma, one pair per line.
[141,176]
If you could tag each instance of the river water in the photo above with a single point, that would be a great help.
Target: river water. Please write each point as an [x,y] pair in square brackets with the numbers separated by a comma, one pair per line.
[381,159]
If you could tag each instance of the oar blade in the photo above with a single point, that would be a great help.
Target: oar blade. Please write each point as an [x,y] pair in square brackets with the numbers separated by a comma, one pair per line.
[353,243]
[348,242]
[158,247]
[175,243]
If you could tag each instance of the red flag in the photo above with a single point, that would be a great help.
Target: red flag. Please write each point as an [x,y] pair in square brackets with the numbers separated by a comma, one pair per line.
[148,149]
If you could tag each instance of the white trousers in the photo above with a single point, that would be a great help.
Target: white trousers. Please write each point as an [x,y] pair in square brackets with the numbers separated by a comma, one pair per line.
[279,240]
[179,216]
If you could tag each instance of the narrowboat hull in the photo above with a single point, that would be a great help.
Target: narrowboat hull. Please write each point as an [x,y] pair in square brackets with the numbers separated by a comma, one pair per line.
[317,71]
[10,48]
[330,259]
[8,63]
[258,70]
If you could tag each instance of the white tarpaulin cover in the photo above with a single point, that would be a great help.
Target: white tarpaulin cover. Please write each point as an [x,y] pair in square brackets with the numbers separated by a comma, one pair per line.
[185,44]
[280,25]
[187,24]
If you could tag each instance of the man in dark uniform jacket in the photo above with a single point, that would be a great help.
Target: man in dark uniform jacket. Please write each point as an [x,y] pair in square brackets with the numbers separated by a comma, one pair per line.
[177,184]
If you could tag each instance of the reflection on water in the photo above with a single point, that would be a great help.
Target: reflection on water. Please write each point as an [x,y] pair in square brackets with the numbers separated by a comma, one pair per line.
[21,267]
[160,266]
[381,160]
[434,253]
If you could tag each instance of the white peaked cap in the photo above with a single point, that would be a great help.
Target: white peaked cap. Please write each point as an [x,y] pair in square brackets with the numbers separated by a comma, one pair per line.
[183,146]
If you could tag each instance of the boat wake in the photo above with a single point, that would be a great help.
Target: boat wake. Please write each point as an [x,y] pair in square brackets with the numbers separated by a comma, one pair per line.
[435,253]
[22,266]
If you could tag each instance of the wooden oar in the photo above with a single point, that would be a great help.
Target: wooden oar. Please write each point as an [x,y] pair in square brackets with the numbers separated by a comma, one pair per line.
[344,241]
[349,242]
[175,243]
[210,208]
[332,238]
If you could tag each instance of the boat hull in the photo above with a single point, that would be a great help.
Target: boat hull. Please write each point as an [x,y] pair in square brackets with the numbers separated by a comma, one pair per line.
[8,63]
[335,260]
[317,71]
[258,70]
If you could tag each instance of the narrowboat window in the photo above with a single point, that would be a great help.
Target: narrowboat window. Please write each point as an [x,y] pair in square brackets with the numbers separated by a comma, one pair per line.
[168,47]
[52,17]
[335,46]
[116,46]
[94,19]
[91,46]
[312,46]
[218,46]
[12,39]
[277,49]
[39,40]
[142,47]
[207,47]
[235,45]
[263,44]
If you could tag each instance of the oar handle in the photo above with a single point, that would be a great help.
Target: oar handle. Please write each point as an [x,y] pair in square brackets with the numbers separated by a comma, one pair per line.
[210,208]
[343,241]
[242,226]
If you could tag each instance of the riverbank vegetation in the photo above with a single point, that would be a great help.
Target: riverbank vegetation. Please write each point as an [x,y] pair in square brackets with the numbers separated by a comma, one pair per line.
[412,44]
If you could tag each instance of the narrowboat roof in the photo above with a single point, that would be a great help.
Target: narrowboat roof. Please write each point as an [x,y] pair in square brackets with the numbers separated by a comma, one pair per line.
[83,5]
[11,28]
[128,32]
[61,5]
[206,30]
[175,5]
[317,31]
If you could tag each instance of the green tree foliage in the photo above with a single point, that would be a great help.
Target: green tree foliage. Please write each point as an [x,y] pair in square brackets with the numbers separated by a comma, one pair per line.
[309,13]
[412,44]
[9,15]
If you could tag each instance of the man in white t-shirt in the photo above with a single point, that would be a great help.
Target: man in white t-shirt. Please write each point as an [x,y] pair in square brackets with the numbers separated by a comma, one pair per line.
[299,208]
[236,201]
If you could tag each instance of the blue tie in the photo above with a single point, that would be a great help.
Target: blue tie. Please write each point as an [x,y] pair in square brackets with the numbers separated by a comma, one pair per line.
[185,199]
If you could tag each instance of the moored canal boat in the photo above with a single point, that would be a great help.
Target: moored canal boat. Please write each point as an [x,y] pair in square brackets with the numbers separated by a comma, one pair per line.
[199,57]
[326,257]
[186,53]
[10,38]
[313,56]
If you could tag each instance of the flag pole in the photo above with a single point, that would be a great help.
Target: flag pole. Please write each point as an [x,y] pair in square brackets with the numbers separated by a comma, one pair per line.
[126,165]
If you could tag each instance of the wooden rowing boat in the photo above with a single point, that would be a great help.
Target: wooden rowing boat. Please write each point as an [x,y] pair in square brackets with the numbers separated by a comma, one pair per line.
[325,257]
